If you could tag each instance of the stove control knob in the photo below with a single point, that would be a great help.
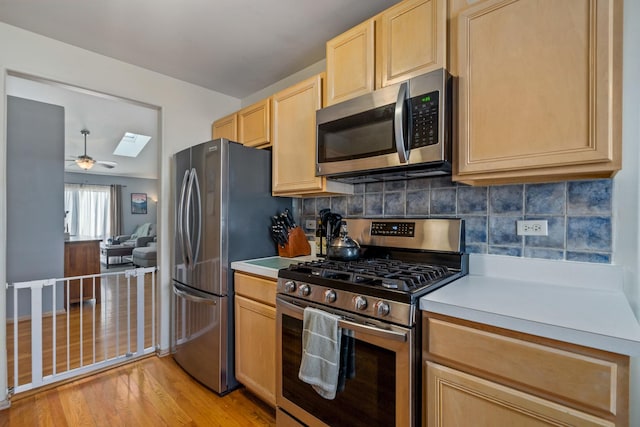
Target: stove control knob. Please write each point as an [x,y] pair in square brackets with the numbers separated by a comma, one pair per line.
[330,296]
[290,286]
[360,303]
[304,290]
[382,308]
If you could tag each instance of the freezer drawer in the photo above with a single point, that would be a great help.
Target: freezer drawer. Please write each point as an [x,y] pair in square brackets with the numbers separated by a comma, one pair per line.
[200,338]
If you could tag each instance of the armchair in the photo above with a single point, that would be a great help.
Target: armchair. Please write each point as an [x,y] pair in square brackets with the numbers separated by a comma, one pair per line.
[141,236]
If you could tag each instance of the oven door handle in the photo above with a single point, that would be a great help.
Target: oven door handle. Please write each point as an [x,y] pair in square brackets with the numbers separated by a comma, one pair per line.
[346,324]
[372,330]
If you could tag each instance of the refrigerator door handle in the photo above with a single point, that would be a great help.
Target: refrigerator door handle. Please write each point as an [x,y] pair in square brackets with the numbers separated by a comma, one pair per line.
[187,223]
[198,235]
[193,295]
[180,221]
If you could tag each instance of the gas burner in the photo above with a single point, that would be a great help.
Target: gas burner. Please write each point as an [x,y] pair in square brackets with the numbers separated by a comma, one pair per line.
[390,274]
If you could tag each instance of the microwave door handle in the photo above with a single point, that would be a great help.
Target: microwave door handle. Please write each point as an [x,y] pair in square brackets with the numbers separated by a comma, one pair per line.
[401,145]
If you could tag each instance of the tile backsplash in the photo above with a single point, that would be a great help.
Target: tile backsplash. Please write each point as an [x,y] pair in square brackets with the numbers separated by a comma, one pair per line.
[579,213]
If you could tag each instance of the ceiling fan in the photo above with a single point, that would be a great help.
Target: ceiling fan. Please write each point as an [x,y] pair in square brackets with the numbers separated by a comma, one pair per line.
[86,162]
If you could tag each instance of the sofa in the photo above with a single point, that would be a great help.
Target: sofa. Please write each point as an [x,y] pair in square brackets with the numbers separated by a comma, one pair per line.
[142,235]
[145,256]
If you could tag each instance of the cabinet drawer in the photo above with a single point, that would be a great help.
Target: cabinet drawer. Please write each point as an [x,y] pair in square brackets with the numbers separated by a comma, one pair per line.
[589,381]
[256,288]
[457,397]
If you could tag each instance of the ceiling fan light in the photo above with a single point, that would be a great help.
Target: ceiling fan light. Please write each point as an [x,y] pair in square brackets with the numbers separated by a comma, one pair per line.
[85,164]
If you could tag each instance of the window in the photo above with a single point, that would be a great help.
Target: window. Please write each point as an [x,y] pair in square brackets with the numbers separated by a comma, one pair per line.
[87,210]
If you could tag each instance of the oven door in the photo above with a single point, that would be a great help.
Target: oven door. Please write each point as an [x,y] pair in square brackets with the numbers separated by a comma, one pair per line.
[380,394]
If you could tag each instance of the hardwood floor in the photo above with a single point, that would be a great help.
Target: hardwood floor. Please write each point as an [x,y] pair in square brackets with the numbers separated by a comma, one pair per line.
[150,392]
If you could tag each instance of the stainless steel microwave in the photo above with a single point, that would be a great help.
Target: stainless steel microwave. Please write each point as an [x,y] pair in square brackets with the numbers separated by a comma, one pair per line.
[401,131]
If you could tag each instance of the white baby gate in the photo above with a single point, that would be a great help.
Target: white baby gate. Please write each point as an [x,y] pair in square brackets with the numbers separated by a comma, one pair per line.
[61,342]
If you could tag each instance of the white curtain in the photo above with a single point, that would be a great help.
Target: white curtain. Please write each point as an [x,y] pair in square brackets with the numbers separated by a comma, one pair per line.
[87,210]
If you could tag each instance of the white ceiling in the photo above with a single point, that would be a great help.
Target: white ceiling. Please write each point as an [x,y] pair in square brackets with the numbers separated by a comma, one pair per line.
[106,118]
[235,47]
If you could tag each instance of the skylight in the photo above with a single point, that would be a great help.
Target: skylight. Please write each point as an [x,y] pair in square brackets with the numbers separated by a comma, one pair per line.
[131,144]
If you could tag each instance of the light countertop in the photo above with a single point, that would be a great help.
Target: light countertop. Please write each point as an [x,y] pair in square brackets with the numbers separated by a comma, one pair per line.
[269,266]
[580,303]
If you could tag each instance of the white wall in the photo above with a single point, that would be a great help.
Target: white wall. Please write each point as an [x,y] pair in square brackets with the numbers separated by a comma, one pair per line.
[186,113]
[311,70]
[626,184]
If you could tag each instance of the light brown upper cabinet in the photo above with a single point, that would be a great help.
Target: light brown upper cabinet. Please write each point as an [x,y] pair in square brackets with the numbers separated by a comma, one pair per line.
[404,41]
[250,126]
[412,40]
[226,127]
[254,124]
[350,63]
[293,128]
[539,90]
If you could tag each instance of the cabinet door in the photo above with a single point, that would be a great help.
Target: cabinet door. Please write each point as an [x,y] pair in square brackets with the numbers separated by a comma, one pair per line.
[350,63]
[293,127]
[254,124]
[539,90]
[456,398]
[255,332]
[294,137]
[412,40]
[225,127]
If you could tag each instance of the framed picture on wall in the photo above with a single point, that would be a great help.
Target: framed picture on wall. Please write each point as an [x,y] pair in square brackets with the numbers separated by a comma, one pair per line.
[138,203]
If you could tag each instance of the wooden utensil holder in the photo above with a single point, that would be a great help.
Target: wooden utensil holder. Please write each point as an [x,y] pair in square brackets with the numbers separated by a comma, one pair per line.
[296,246]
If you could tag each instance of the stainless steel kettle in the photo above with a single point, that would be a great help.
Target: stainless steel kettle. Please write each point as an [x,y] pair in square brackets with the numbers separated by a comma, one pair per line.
[343,247]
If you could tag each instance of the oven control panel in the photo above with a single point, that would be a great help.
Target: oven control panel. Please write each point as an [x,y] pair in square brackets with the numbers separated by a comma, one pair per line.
[391,311]
[395,229]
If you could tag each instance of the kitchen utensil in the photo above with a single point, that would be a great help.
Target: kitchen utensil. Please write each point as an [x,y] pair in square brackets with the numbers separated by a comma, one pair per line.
[343,247]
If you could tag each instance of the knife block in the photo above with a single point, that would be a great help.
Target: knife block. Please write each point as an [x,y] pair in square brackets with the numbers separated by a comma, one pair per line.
[296,246]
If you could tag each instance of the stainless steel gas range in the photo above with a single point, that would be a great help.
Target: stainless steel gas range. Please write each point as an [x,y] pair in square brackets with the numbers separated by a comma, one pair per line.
[376,299]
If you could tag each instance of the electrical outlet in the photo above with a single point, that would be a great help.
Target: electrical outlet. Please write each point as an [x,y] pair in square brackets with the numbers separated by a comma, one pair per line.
[532,228]
[310,224]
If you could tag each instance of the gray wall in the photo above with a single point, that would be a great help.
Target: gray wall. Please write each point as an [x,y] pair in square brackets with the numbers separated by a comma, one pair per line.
[35,206]
[131,185]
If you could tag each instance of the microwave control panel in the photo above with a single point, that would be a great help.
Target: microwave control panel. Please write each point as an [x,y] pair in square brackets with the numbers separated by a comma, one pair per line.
[424,119]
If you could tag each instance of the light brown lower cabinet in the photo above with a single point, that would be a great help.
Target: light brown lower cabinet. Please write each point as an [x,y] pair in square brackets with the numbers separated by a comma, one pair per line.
[255,334]
[480,375]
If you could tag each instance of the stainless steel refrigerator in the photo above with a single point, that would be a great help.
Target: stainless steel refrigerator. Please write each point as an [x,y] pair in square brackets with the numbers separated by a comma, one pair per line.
[222,214]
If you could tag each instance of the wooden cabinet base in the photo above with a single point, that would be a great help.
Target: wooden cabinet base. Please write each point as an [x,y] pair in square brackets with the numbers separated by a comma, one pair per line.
[80,259]
[496,376]
[255,333]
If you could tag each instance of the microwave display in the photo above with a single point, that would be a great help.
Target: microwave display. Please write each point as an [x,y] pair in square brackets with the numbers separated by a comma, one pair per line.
[424,115]
[364,134]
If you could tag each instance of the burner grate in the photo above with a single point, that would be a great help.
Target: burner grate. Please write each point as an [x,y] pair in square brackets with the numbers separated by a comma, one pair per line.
[386,273]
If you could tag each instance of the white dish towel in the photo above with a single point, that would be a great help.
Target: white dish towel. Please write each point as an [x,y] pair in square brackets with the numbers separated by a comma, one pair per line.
[320,362]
